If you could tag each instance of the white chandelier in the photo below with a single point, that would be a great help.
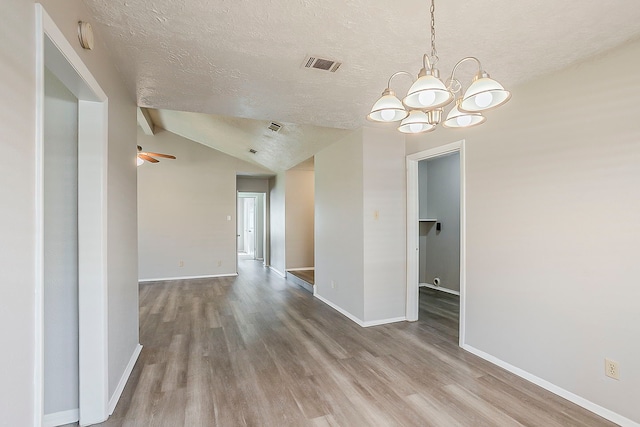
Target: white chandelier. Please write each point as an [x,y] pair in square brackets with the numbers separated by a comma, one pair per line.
[423,107]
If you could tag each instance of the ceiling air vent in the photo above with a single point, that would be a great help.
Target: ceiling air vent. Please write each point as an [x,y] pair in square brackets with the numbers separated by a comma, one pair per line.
[275,127]
[321,64]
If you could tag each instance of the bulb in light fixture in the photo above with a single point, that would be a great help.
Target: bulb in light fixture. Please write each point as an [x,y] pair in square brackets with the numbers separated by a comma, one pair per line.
[426,98]
[387,115]
[415,127]
[464,120]
[139,161]
[484,99]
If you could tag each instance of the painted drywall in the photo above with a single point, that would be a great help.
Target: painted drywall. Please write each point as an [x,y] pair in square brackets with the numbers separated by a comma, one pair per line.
[277,200]
[252,185]
[17,220]
[439,190]
[553,235]
[339,253]
[60,247]
[360,225]
[186,209]
[384,241]
[299,216]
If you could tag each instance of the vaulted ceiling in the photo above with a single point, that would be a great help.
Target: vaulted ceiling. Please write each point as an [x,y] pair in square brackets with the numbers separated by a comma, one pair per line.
[244,59]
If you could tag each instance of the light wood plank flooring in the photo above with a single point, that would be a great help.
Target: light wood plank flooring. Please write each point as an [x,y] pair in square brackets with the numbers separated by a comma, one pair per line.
[257,350]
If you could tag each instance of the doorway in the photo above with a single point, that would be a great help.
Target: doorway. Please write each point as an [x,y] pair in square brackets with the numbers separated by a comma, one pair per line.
[251,217]
[86,273]
[421,225]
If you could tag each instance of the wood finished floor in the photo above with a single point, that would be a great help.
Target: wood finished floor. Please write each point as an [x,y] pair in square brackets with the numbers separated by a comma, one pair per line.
[306,275]
[257,350]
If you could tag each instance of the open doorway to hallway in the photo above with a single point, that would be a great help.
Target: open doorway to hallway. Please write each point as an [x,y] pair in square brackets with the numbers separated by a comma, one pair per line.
[251,221]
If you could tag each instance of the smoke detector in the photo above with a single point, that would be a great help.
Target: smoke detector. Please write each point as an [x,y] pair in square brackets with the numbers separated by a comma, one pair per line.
[323,64]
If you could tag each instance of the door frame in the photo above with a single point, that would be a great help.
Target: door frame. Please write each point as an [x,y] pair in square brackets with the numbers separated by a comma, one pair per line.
[264,226]
[413,246]
[55,52]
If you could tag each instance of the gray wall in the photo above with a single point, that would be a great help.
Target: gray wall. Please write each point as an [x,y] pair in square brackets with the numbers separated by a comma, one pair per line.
[17,218]
[360,225]
[60,247]
[339,233]
[553,235]
[187,209]
[277,200]
[439,189]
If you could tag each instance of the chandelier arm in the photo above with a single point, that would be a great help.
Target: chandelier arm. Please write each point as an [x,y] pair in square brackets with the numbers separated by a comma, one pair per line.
[468,58]
[397,74]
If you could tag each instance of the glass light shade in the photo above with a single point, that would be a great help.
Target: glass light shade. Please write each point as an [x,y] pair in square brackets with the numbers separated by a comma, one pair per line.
[427,92]
[462,119]
[416,122]
[388,108]
[139,161]
[484,94]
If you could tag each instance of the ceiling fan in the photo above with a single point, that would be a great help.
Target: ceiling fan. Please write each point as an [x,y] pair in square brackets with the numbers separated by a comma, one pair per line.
[149,157]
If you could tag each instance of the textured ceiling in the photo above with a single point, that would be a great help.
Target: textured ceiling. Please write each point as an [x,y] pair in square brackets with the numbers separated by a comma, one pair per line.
[244,58]
[281,150]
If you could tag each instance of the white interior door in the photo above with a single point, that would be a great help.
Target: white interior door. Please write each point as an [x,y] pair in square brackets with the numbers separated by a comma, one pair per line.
[250,226]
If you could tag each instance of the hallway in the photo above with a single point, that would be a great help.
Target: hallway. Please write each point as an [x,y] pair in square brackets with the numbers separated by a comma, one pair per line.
[257,350]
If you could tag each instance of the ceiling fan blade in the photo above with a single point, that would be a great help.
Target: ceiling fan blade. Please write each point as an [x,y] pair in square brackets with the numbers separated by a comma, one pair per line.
[166,156]
[148,158]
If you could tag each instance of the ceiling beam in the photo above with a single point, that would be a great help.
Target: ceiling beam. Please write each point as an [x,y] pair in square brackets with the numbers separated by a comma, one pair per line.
[145,122]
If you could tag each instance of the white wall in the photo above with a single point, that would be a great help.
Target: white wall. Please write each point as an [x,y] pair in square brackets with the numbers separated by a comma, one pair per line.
[61,367]
[384,189]
[553,235]
[299,217]
[277,199]
[186,209]
[339,253]
[360,225]
[252,185]
[17,219]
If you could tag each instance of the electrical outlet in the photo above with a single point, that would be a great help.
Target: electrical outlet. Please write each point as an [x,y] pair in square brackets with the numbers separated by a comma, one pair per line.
[181,263]
[611,369]
[333,284]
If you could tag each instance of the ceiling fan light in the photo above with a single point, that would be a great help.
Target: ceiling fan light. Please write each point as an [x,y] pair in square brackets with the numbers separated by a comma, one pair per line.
[139,161]
[462,119]
[416,122]
[388,108]
[427,92]
[484,94]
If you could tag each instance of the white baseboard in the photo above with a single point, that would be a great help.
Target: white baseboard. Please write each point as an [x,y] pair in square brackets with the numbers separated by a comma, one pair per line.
[300,268]
[340,310]
[162,279]
[384,321]
[278,272]
[580,401]
[439,288]
[61,418]
[123,380]
[355,319]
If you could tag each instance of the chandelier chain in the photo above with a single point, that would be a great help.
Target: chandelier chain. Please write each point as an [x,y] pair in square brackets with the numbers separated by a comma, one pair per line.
[434,52]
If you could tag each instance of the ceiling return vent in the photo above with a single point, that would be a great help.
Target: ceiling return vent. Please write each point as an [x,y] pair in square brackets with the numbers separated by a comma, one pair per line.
[274,127]
[321,64]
